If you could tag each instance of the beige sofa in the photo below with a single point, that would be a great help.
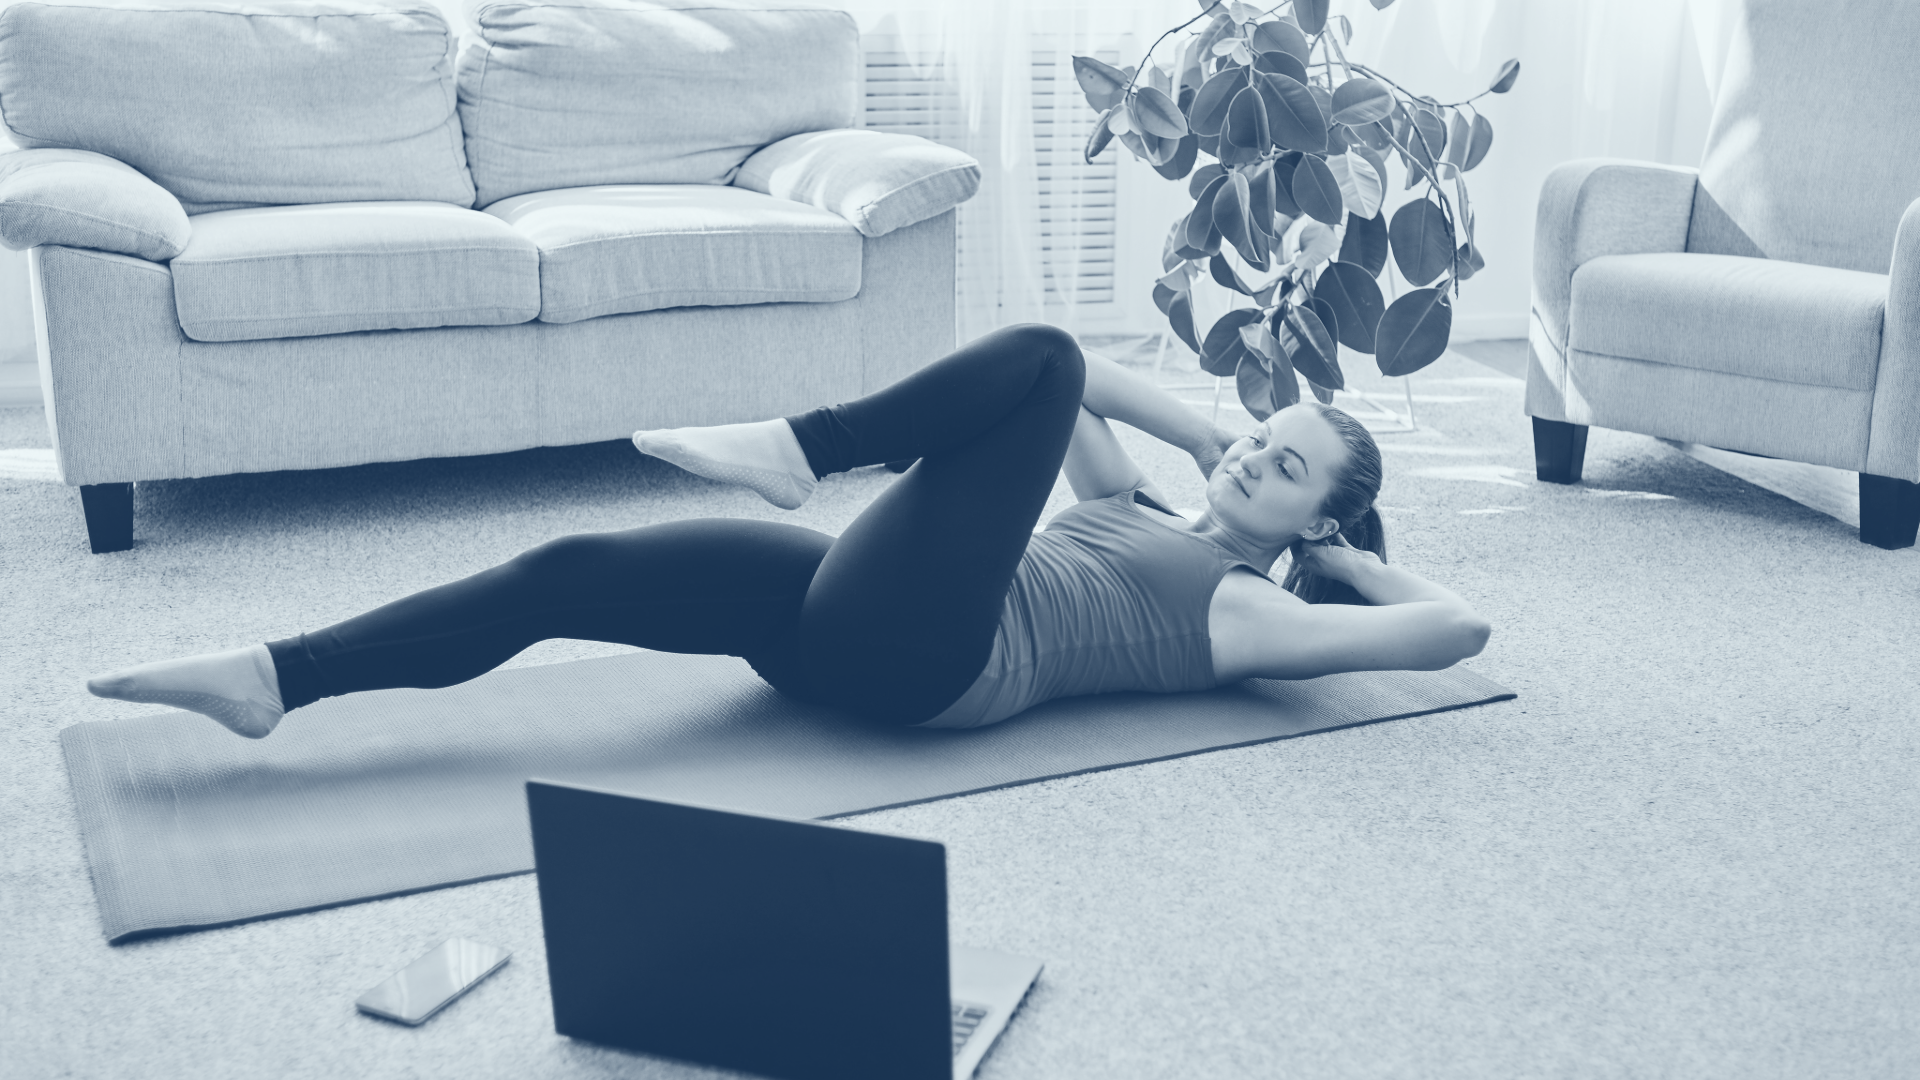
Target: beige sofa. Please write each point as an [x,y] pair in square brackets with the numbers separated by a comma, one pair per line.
[314,234]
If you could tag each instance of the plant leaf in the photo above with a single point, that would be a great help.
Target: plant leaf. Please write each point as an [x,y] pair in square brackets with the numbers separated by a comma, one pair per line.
[1356,302]
[1312,350]
[1202,233]
[1382,5]
[1178,280]
[1222,345]
[1283,170]
[1279,35]
[1426,137]
[1224,341]
[1154,112]
[1180,317]
[1261,198]
[1247,121]
[1284,384]
[1503,82]
[1329,320]
[1276,62]
[1209,115]
[1293,114]
[1163,297]
[1422,241]
[1102,135]
[1312,15]
[1102,82]
[1413,332]
[1458,132]
[1317,190]
[1260,341]
[1359,184]
[1224,274]
[1186,151]
[1361,101]
[1203,176]
[1317,245]
[1366,244]
[1373,158]
[1254,384]
[1479,140]
[1233,213]
[1346,30]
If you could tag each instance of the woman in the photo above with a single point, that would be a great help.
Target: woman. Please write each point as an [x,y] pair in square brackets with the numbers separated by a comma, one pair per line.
[939,605]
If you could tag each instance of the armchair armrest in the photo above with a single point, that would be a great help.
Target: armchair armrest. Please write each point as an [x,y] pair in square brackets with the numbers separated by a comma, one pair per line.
[1893,439]
[1602,206]
[77,198]
[877,181]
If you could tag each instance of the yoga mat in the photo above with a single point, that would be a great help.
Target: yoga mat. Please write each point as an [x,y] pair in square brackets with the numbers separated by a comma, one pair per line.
[189,826]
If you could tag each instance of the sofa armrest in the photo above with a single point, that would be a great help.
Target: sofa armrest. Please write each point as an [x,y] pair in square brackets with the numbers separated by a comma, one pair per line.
[77,198]
[878,181]
[1602,206]
[1893,440]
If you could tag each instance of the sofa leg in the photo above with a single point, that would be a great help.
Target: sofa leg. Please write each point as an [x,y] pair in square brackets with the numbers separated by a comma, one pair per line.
[109,510]
[1889,511]
[1559,449]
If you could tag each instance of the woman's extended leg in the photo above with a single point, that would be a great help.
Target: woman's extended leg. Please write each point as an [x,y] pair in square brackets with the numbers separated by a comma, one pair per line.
[709,585]
[901,613]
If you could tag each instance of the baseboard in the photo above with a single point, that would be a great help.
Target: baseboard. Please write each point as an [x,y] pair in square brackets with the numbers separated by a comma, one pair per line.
[1489,327]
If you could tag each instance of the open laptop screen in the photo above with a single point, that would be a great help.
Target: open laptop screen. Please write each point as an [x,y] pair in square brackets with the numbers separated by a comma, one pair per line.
[788,948]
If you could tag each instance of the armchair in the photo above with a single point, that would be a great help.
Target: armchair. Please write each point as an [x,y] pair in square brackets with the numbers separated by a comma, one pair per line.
[1767,302]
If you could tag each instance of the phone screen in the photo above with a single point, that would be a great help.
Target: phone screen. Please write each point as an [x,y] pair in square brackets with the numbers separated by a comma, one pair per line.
[430,983]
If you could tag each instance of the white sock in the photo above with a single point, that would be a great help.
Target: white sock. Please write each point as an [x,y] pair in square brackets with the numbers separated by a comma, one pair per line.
[238,688]
[764,456]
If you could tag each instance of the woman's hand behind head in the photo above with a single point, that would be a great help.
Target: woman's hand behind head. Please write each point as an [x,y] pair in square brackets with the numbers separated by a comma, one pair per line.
[1333,558]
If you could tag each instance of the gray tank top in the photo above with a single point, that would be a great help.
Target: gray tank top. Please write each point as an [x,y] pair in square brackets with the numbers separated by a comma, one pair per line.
[1104,600]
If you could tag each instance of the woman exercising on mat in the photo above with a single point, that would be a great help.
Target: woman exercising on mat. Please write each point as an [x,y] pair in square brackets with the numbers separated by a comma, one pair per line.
[939,606]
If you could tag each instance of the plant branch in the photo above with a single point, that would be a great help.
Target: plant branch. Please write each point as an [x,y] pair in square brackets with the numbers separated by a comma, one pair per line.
[1142,66]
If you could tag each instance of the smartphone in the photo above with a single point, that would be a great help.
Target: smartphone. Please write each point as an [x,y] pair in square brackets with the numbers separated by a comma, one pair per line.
[432,982]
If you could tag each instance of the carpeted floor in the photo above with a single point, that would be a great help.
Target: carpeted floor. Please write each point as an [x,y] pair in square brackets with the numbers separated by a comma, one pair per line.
[1685,850]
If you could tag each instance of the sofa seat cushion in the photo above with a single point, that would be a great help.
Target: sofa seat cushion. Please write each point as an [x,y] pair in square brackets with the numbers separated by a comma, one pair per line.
[333,268]
[614,249]
[1790,322]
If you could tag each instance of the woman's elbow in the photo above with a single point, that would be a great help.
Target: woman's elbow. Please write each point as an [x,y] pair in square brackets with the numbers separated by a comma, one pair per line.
[1473,632]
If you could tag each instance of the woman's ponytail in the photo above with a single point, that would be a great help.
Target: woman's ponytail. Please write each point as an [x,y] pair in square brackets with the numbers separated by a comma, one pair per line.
[1350,503]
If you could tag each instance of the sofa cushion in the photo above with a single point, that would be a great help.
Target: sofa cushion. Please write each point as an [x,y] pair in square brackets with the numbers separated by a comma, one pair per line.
[1789,322]
[585,92]
[331,268]
[296,101]
[880,181]
[76,198]
[605,250]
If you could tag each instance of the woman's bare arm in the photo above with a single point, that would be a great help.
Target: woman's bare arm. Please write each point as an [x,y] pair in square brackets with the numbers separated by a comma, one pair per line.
[1115,393]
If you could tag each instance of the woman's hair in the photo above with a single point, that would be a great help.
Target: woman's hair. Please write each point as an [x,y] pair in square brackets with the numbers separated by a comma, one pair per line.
[1351,504]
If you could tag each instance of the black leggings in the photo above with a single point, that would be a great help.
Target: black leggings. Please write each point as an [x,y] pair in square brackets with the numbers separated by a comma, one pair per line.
[893,620]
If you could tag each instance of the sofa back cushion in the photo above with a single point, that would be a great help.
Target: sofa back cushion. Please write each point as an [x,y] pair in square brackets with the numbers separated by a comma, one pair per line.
[575,93]
[1810,156]
[249,104]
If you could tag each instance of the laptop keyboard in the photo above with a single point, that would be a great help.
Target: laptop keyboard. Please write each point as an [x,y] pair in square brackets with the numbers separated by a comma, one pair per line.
[966,1017]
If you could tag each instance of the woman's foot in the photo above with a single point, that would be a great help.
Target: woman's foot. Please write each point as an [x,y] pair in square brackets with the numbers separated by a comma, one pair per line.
[764,456]
[237,688]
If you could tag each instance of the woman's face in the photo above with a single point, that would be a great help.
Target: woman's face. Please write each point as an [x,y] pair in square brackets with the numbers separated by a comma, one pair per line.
[1270,485]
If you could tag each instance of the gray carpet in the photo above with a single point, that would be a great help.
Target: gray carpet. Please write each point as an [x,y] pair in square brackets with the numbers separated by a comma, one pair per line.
[1685,850]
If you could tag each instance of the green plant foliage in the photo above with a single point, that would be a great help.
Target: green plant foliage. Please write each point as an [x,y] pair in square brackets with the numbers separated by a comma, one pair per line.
[1286,146]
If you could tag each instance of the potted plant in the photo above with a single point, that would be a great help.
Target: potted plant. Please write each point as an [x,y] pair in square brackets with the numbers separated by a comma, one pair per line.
[1284,145]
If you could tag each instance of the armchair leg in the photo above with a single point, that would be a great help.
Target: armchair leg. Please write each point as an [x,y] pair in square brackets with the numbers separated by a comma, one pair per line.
[1559,449]
[109,510]
[1889,511]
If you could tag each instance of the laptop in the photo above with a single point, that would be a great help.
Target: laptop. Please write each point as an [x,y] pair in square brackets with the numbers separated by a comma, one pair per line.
[790,948]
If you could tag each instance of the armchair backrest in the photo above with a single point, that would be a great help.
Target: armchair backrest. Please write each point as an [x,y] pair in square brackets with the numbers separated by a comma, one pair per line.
[1814,149]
